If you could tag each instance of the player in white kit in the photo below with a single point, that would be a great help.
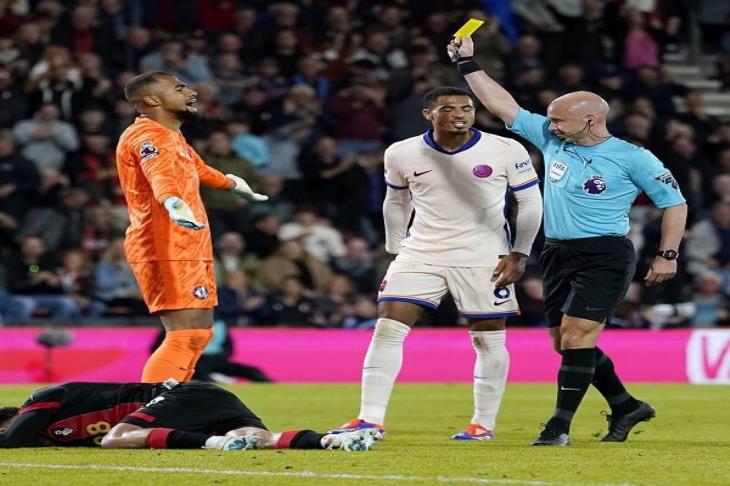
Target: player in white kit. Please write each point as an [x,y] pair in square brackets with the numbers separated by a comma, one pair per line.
[456,178]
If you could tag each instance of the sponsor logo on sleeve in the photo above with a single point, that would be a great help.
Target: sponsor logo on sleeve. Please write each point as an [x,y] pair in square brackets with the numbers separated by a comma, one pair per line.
[523,166]
[668,179]
[148,150]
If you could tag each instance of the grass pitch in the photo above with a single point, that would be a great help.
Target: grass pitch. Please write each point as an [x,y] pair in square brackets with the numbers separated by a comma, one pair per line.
[687,444]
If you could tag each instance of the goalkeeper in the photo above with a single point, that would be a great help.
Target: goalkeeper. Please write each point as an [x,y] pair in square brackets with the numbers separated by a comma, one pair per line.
[167,243]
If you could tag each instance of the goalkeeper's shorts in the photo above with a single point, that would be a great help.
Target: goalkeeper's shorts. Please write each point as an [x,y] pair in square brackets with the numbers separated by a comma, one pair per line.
[177,284]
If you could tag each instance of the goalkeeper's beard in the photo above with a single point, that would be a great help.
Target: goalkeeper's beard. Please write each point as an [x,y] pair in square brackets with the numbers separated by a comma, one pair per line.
[186,115]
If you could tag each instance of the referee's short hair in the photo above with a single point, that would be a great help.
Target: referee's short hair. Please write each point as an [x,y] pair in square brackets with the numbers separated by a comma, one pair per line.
[138,83]
[432,96]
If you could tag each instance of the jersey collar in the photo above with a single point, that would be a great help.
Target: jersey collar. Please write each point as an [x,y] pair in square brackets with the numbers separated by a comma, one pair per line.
[428,138]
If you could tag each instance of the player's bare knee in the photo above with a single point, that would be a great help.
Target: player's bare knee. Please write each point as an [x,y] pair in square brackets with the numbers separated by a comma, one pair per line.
[402,312]
[488,324]
[575,337]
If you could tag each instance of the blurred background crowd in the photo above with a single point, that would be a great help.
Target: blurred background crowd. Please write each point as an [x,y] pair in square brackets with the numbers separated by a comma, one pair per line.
[301,98]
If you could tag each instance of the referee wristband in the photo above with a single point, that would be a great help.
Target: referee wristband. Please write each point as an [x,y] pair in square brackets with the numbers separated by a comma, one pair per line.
[467,65]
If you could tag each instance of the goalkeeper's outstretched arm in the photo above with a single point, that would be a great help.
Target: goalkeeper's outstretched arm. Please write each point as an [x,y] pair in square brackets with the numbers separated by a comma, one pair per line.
[494,97]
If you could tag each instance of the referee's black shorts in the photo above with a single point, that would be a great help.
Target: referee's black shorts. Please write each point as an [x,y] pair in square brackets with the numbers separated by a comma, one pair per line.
[195,407]
[586,277]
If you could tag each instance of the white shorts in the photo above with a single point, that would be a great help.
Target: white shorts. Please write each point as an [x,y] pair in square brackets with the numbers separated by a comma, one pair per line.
[472,289]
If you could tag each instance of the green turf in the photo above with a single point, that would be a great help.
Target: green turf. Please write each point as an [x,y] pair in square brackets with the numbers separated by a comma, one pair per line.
[686,444]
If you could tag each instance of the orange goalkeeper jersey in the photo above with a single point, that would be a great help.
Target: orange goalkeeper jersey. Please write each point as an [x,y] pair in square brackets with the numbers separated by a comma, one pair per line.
[155,163]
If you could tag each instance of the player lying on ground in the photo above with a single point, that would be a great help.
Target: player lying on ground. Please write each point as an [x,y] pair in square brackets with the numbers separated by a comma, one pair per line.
[168,415]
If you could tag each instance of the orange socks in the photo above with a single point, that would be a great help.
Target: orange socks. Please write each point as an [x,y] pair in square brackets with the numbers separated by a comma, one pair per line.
[176,356]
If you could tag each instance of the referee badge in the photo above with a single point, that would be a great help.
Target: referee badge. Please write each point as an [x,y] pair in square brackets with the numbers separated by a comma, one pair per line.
[200,292]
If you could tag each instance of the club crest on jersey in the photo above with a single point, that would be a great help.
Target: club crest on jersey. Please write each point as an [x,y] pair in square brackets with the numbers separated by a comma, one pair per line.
[501,292]
[148,150]
[482,171]
[595,185]
[200,292]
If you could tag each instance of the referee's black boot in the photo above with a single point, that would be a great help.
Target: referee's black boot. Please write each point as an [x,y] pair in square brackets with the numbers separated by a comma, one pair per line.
[549,437]
[620,426]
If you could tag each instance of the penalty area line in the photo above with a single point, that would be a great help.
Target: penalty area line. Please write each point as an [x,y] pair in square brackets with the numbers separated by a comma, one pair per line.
[302,474]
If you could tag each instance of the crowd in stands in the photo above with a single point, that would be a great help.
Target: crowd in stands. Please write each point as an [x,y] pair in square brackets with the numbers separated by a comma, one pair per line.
[300,99]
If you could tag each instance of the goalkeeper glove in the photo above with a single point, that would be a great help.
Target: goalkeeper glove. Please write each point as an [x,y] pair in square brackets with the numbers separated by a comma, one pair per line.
[181,214]
[242,189]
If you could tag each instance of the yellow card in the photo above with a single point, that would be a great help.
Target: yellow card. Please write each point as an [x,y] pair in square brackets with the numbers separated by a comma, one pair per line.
[468,28]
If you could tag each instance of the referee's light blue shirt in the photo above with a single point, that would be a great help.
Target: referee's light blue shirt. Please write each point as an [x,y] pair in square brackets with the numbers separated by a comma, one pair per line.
[589,190]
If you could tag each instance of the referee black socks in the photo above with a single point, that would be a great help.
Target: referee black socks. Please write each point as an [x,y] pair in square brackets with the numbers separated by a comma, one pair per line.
[609,384]
[574,378]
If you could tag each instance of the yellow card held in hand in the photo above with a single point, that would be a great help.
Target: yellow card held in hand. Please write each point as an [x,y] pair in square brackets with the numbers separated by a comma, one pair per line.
[468,28]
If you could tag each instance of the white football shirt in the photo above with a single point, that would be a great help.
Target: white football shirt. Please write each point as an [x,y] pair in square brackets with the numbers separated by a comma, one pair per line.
[459,197]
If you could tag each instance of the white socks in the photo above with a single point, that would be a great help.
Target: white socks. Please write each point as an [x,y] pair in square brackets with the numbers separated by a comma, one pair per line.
[490,375]
[380,369]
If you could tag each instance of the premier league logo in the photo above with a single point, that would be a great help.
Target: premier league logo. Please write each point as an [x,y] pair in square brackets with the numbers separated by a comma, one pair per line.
[200,292]
[595,185]
[482,171]
[382,285]
[148,150]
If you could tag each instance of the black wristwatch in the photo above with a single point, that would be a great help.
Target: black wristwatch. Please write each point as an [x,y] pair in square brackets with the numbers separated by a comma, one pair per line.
[668,254]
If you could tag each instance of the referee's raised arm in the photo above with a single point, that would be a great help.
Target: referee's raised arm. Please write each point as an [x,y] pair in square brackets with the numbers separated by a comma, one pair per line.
[489,92]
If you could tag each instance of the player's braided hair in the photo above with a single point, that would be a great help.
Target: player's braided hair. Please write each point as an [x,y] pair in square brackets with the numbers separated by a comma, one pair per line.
[432,96]
[6,413]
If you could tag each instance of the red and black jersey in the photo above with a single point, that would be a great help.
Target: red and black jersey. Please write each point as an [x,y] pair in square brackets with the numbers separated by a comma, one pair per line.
[76,414]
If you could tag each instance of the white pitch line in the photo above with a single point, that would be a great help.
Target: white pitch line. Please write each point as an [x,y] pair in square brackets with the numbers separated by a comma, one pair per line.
[303,474]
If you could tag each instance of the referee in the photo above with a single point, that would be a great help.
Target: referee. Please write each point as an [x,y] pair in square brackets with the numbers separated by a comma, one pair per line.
[592,179]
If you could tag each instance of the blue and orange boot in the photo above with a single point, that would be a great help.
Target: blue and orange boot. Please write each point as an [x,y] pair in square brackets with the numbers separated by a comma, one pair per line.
[474,432]
[357,424]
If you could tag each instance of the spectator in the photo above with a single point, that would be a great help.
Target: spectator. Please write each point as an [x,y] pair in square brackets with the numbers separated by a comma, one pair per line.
[291,260]
[172,58]
[708,248]
[309,72]
[79,33]
[641,49]
[364,314]
[93,168]
[336,303]
[225,211]
[247,145]
[358,114]
[230,256]
[292,120]
[13,101]
[358,265]
[320,239]
[46,139]
[291,307]
[77,281]
[19,179]
[114,283]
[711,304]
[277,204]
[262,238]
[61,225]
[33,281]
[238,303]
